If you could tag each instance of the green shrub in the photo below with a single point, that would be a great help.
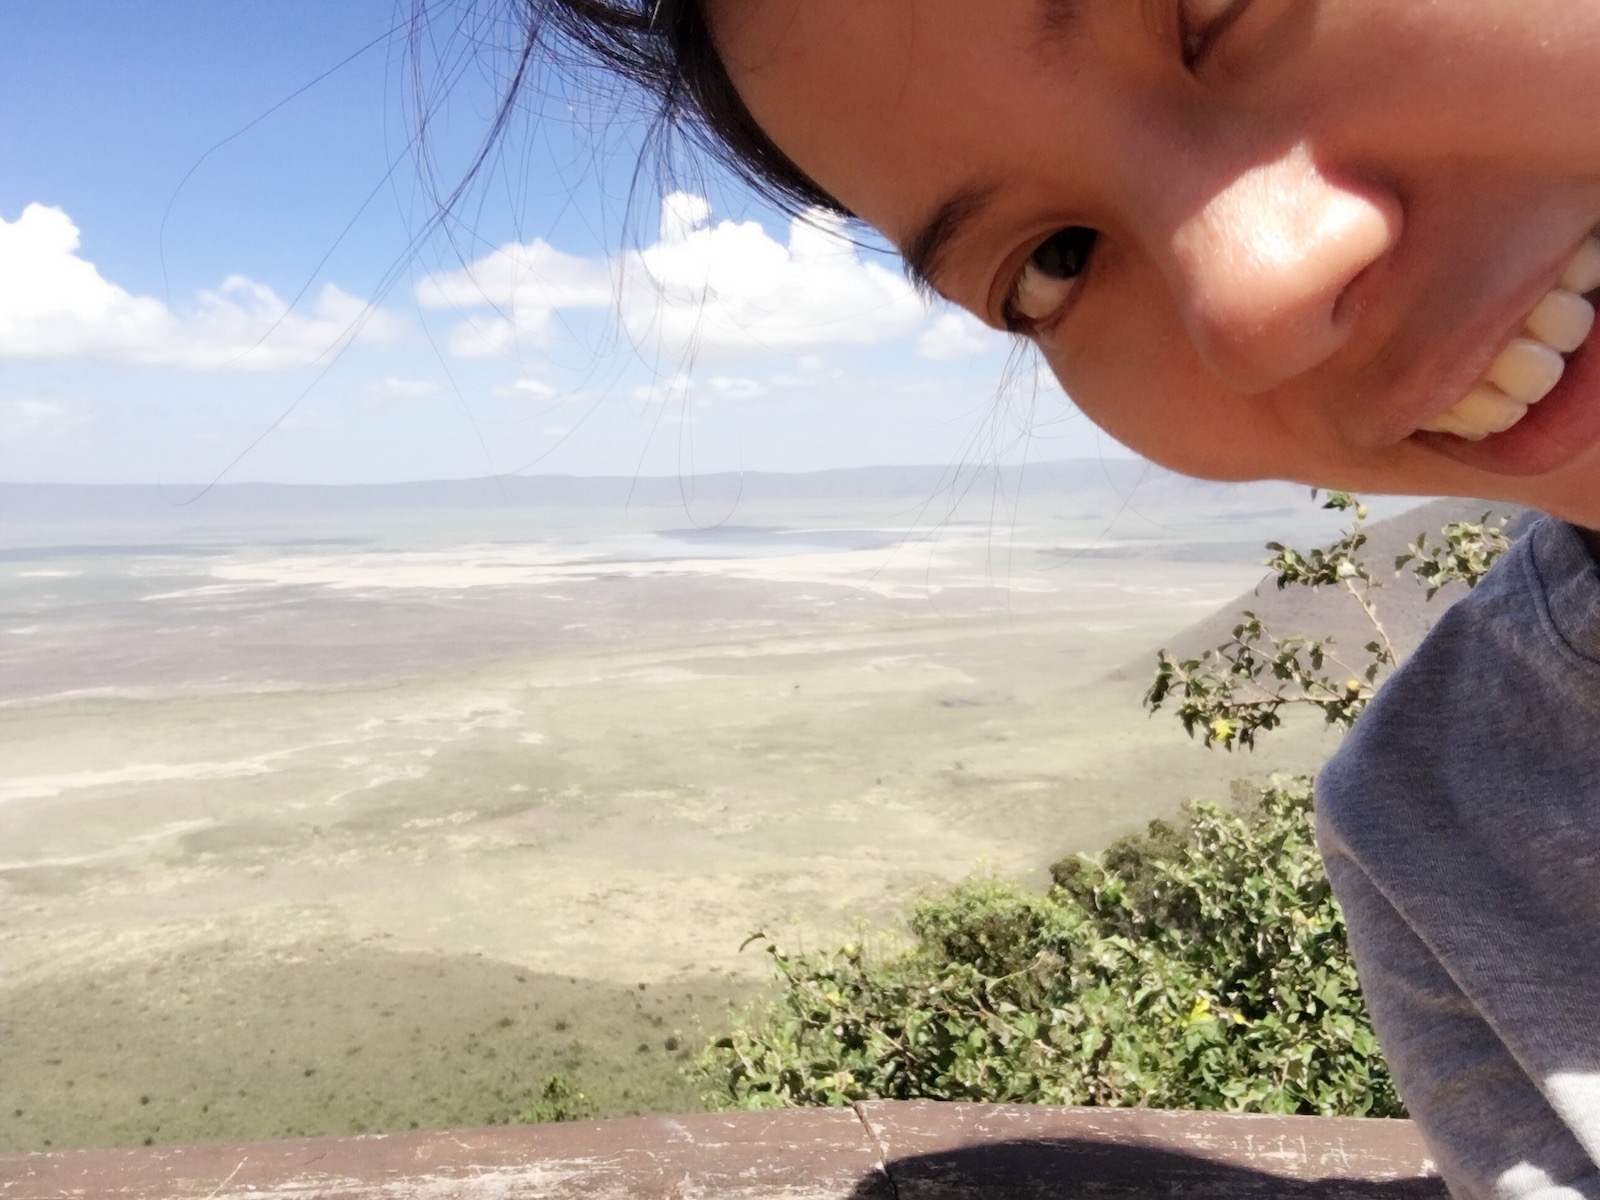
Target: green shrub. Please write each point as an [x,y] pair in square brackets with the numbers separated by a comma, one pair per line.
[1202,967]
[559,1100]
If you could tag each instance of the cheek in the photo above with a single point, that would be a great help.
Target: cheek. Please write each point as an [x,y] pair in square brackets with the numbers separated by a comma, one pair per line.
[1130,369]
[1160,414]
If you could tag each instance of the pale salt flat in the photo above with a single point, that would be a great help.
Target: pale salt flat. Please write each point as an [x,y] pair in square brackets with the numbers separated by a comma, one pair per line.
[777,733]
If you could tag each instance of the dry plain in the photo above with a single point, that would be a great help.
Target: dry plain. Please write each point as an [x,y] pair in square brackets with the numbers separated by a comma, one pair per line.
[378,817]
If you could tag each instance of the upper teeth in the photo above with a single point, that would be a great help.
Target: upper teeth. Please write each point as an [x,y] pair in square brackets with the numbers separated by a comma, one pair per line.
[1532,364]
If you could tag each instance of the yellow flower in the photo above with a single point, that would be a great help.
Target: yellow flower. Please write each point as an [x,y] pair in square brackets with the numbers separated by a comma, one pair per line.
[1201,1010]
[1222,729]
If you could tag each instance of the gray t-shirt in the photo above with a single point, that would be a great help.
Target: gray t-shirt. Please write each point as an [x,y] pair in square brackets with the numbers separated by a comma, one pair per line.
[1460,822]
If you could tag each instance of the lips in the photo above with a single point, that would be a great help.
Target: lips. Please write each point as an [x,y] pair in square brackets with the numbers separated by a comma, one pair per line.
[1534,363]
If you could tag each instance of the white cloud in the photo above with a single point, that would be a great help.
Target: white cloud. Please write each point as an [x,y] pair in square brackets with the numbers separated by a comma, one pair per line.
[729,289]
[532,389]
[528,277]
[21,419]
[682,395]
[396,388]
[957,334]
[55,304]
[523,285]
[736,387]
[703,289]
[495,337]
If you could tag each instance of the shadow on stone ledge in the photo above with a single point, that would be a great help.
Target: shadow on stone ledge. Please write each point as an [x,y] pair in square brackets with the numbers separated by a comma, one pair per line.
[1054,1170]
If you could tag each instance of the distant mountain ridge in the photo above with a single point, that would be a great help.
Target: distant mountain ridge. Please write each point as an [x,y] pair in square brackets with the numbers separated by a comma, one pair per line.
[1091,484]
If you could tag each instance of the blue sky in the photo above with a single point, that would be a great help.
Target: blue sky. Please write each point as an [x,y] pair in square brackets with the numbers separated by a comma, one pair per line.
[204,274]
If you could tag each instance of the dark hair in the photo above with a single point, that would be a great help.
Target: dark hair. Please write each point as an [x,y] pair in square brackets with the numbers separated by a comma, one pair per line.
[664,48]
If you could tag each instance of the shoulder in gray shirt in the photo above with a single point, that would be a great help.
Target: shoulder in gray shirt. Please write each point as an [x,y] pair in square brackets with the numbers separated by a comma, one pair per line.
[1460,822]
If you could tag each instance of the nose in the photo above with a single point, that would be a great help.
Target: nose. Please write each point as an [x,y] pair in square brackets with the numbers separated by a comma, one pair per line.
[1261,265]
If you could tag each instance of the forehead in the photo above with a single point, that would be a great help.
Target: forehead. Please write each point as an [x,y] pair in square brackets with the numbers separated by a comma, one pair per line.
[890,105]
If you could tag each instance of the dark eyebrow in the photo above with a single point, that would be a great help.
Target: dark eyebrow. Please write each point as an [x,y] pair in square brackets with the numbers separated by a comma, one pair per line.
[924,250]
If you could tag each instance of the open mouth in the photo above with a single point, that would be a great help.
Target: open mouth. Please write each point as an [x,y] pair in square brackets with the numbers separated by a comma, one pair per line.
[1533,364]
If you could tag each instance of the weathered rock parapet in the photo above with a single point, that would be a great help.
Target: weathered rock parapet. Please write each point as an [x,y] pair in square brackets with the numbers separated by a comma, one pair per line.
[875,1151]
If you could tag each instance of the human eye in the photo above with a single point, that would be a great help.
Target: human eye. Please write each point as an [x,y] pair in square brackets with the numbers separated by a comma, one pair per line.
[1202,22]
[1049,278]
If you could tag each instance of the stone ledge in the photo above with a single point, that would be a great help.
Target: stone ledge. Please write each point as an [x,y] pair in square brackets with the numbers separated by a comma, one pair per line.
[876,1151]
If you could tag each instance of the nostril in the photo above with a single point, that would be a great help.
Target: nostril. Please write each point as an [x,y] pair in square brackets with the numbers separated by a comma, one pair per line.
[1354,297]
[1276,267]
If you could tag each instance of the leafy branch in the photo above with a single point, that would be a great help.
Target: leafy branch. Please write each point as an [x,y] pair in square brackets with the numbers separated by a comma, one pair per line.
[1232,693]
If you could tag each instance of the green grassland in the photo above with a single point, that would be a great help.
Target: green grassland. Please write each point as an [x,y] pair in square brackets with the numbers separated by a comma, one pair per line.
[219,1041]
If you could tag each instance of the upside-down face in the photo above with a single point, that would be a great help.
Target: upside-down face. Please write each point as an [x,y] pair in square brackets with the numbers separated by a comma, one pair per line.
[1340,241]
